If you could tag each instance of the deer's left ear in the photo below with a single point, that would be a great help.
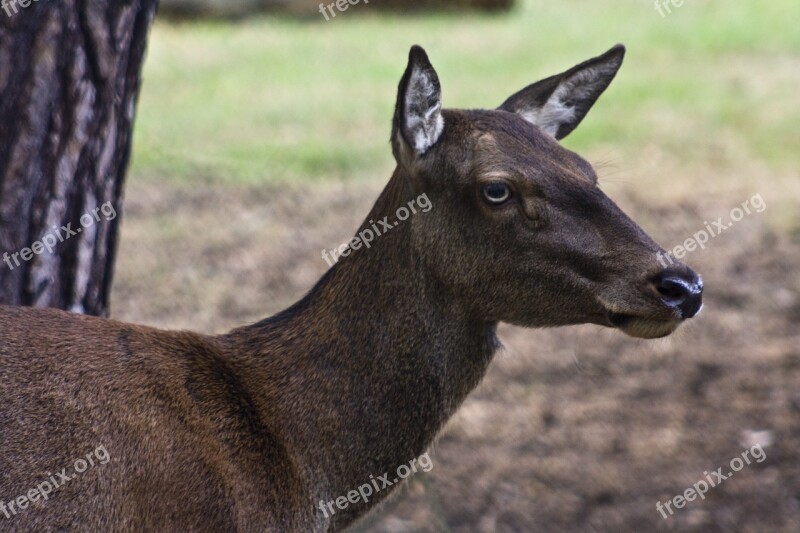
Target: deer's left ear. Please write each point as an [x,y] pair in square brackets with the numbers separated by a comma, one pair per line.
[418,121]
[558,104]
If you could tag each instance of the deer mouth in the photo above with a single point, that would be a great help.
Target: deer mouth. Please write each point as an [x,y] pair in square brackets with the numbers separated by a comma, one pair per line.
[642,327]
[679,294]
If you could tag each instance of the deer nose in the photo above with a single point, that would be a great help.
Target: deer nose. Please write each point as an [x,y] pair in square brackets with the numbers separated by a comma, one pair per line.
[681,290]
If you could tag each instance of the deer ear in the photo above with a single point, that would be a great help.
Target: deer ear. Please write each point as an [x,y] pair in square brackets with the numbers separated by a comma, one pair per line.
[558,104]
[418,121]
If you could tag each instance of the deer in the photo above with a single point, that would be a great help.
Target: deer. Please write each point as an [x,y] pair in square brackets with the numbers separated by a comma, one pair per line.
[256,429]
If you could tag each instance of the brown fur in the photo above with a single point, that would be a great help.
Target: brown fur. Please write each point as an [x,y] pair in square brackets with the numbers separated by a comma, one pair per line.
[248,431]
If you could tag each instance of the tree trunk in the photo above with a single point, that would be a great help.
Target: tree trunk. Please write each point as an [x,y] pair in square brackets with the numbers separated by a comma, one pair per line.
[70,72]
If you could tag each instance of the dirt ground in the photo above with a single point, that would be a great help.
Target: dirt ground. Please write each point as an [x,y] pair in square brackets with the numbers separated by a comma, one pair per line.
[573,429]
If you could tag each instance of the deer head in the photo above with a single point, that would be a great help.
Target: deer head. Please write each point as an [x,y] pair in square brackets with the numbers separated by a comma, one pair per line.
[521,232]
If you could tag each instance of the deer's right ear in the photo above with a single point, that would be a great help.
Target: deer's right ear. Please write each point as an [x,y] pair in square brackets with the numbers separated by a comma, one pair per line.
[418,121]
[558,104]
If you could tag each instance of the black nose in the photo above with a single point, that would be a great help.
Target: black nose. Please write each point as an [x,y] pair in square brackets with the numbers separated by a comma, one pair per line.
[680,289]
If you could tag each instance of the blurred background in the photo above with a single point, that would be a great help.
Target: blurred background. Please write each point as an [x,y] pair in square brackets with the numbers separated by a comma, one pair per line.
[262,138]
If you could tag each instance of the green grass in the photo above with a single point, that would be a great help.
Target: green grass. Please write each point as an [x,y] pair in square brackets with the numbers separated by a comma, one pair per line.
[283,99]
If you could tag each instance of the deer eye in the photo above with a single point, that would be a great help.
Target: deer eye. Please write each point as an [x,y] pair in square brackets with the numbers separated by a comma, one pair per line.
[496,192]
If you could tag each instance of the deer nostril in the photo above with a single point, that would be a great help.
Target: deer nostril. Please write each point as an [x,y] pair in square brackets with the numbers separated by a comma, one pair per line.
[672,291]
[680,290]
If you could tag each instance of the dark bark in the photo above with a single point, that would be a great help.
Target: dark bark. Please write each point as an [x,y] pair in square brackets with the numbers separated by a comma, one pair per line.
[310,8]
[70,72]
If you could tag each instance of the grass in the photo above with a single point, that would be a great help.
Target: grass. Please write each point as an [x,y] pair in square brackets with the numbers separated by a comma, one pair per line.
[712,85]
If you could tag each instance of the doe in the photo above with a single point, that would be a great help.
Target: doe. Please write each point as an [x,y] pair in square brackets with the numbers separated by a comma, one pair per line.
[250,430]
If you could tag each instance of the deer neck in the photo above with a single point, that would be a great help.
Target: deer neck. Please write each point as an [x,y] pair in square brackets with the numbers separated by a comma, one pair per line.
[361,374]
